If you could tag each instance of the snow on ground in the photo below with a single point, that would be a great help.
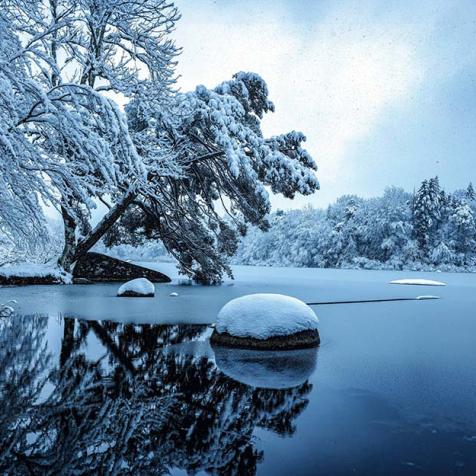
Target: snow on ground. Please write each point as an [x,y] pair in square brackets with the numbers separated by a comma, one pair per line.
[139,286]
[27,270]
[418,282]
[262,316]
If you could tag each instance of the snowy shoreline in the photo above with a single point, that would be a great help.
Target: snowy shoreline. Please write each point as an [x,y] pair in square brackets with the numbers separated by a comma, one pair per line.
[23,274]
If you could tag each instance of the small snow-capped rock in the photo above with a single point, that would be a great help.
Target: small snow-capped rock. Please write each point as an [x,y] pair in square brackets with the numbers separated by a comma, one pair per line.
[140,287]
[261,316]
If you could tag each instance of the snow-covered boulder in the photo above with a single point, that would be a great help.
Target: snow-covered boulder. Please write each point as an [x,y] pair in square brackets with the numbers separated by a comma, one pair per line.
[270,369]
[266,321]
[140,287]
[418,282]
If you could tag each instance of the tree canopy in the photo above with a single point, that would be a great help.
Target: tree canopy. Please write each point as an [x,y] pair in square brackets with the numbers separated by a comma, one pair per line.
[170,165]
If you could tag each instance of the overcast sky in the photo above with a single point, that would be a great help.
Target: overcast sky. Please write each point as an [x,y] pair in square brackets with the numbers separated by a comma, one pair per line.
[385,91]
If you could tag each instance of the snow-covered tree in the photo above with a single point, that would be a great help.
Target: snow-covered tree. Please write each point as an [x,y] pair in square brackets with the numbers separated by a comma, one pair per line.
[442,254]
[464,232]
[344,239]
[174,158]
[470,193]
[426,214]
[369,233]
[385,226]
[221,158]
[65,135]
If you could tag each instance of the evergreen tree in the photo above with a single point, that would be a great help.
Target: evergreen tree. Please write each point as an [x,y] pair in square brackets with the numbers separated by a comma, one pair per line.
[464,229]
[470,193]
[427,214]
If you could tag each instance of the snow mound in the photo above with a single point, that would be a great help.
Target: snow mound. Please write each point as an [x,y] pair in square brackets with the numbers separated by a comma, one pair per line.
[269,369]
[140,287]
[262,316]
[418,282]
[31,271]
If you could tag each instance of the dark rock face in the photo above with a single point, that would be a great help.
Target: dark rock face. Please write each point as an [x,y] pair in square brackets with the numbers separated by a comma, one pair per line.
[134,294]
[299,340]
[98,268]
[28,280]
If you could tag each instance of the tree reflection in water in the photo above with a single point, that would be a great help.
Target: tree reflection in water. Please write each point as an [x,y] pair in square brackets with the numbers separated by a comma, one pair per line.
[136,408]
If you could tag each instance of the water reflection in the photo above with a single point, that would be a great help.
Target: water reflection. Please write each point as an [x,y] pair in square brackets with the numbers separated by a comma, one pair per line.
[267,369]
[110,400]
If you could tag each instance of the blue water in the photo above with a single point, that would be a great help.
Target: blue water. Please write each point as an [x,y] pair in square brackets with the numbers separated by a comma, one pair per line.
[91,383]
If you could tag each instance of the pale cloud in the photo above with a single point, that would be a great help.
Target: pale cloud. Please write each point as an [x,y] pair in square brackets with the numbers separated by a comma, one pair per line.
[332,81]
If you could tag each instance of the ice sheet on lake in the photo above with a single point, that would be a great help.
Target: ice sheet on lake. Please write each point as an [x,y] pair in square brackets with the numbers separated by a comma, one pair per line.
[418,282]
[201,304]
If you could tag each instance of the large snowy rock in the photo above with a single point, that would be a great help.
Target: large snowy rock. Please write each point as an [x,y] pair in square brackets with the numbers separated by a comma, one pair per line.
[97,267]
[139,287]
[266,321]
[270,369]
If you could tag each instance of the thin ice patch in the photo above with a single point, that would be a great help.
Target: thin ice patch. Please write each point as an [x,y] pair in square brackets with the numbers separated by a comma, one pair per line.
[418,282]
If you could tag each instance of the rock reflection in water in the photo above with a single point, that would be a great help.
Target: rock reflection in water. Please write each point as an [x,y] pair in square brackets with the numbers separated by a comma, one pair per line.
[266,368]
[132,409]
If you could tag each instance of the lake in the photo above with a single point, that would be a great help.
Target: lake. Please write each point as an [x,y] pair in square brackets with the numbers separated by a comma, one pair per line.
[92,383]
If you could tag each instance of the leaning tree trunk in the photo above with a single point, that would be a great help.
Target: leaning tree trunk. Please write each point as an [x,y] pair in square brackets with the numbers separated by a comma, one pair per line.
[66,259]
[104,225]
[73,250]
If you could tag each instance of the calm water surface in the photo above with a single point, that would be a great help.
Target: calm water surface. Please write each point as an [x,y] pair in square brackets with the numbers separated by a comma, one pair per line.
[94,384]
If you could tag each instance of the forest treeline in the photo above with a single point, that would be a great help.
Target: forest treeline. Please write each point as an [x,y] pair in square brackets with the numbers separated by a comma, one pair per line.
[428,229]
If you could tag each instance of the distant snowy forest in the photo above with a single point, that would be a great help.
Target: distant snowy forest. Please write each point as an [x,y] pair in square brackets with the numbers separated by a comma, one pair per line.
[430,229]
